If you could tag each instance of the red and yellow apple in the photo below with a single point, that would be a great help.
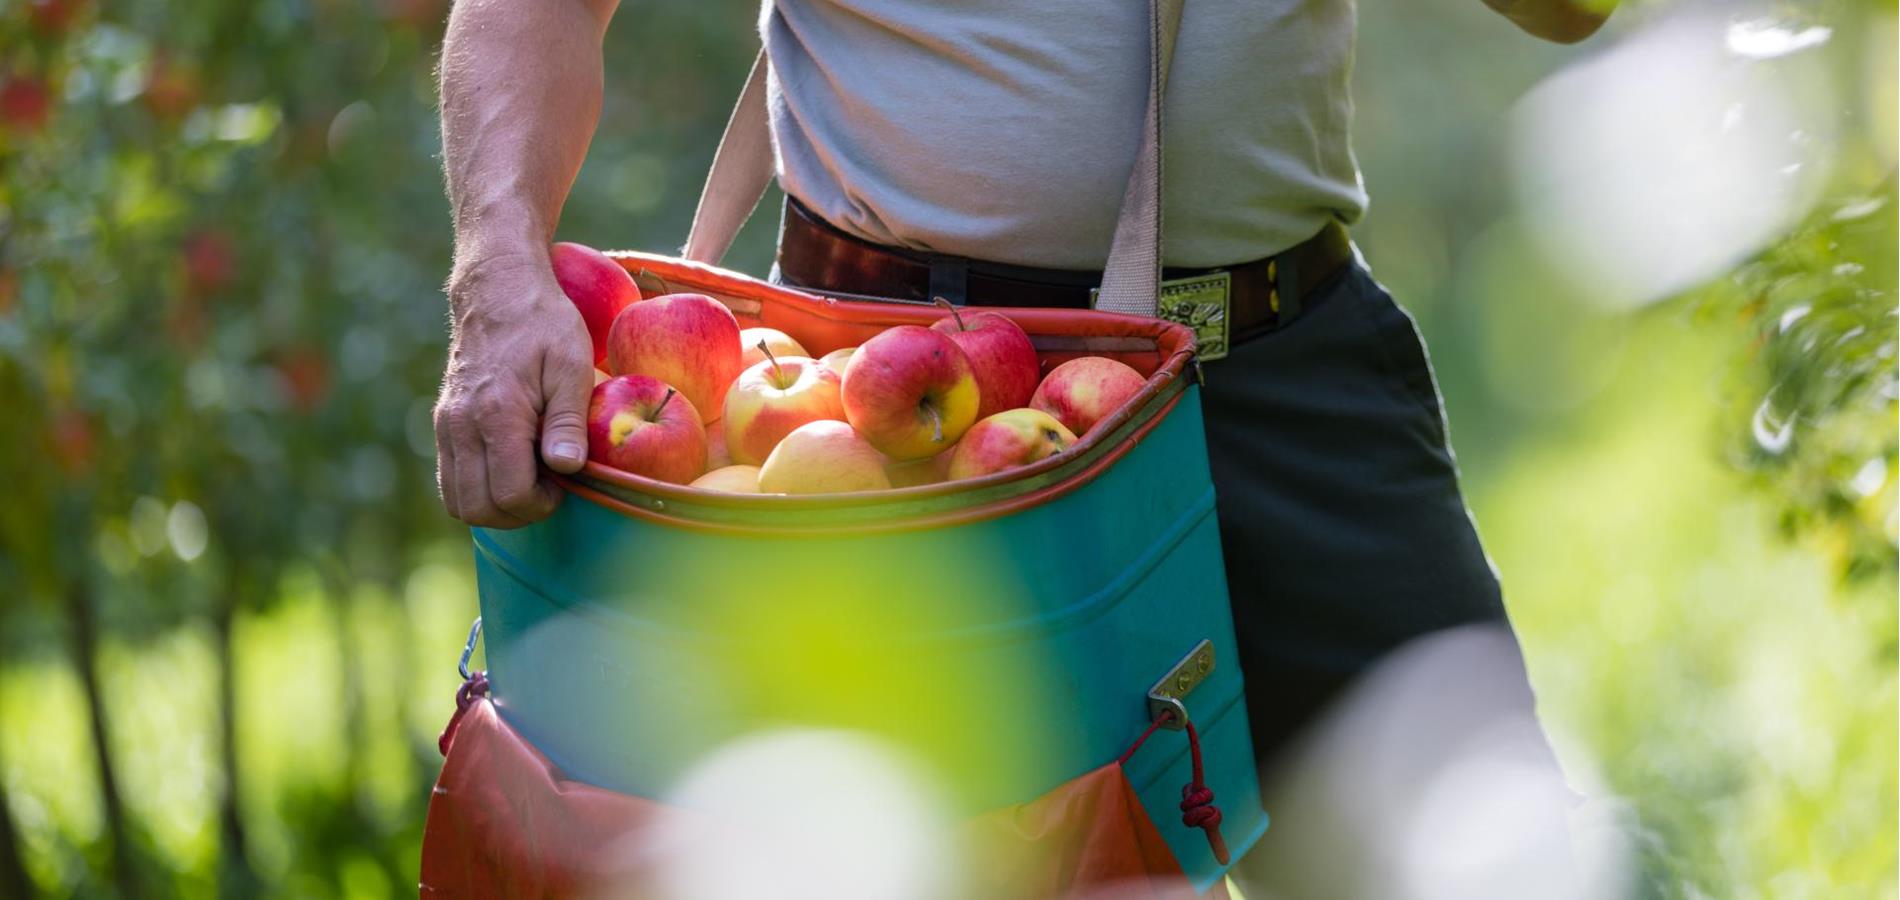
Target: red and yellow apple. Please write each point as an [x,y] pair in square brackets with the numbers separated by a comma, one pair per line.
[689,341]
[773,397]
[1083,391]
[910,391]
[716,455]
[596,285]
[999,352]
[778,342]
[730,479]
[838,359]
[823,457]
[638,425]
[1009,439]
[928,470]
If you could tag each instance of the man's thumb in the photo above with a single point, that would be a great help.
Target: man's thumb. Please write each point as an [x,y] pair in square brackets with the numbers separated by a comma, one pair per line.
[564,422]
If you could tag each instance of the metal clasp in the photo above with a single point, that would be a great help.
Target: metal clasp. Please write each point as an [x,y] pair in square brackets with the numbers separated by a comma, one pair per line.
[1166,695]
[468,649]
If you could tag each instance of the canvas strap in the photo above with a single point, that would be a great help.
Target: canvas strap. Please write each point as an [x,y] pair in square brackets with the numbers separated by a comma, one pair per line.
[743,167]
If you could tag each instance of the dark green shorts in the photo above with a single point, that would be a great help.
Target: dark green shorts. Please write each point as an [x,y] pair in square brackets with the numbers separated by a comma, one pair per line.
[1344,530]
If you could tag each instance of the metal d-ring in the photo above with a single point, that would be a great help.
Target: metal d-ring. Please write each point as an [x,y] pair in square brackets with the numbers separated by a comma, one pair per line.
[468,649]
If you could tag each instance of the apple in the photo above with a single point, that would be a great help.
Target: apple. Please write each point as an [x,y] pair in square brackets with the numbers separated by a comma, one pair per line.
[730,479]
[689,341]
[778,342]
[929,470]
[26,103]
[1000,353]
[1009,439]
[171,88]
[838,359]
[1083,391]
[773,397]
[716,455]
[823,457]
[598,287]
[910,392]
[210,258]
[638,425]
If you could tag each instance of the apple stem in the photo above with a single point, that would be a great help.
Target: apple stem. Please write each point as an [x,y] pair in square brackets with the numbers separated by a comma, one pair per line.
[663,402]
[952,307]
[936,422]
[777,372]
[666,287]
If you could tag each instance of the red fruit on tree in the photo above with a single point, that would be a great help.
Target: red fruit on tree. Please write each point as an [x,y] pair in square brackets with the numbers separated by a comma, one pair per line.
[171,89]
[210,260]
[306,374]
[53,17]
[71,436]
[26,103]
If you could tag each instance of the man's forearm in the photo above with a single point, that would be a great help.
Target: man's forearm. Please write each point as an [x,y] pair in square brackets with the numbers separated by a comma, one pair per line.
[1563,21]
[521,94]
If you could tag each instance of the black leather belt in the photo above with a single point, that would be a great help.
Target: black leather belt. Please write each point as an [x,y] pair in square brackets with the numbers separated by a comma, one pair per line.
[814,254]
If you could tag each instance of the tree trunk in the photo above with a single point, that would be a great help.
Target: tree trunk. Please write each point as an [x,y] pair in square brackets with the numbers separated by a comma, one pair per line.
[236,876]
[85,636]
[13,878]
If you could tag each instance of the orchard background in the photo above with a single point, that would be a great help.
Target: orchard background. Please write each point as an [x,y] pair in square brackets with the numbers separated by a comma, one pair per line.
[230,605]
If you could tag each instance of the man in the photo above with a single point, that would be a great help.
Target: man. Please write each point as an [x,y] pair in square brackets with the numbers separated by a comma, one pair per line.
[979,150]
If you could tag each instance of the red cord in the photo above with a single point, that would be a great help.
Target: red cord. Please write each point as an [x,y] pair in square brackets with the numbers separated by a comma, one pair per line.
[1197,802]
[465,696]
[1197,799]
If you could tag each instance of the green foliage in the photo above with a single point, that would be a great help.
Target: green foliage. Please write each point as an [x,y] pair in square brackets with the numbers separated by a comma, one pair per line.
[1821,437]
[222,238]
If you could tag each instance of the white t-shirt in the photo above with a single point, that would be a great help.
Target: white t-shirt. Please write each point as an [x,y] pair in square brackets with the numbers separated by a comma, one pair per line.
[1003,130]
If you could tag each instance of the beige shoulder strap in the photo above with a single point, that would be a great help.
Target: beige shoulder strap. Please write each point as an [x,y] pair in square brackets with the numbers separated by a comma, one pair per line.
[743,167]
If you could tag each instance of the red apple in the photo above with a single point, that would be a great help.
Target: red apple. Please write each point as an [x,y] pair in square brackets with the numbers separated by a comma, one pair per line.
[1083,391]
[823,457]
[730,479]
[838,359]
[171,88]
[210,260]
[26,103]
[637,424]
[716,455]
[1000,353]
[53,17]
[778,342]
[598,287]
[910,392]
[689,341]
[773,397]
[1009,439]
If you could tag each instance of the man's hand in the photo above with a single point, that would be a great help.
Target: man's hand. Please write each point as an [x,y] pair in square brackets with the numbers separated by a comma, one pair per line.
[520,374]
[521,91]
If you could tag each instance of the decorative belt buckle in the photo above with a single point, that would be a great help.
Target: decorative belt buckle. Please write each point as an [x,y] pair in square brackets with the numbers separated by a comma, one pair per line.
[1200,302]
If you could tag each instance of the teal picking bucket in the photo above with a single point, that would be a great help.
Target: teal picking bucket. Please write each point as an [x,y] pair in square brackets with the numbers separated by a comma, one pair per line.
[1004,632]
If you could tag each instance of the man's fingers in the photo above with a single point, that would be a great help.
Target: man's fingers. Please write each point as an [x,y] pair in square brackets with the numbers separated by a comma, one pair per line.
[445,461]
[568,379]
[514,482]
[475,505]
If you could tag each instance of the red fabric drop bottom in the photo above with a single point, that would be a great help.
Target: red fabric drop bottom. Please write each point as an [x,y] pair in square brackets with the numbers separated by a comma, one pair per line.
[504,822]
